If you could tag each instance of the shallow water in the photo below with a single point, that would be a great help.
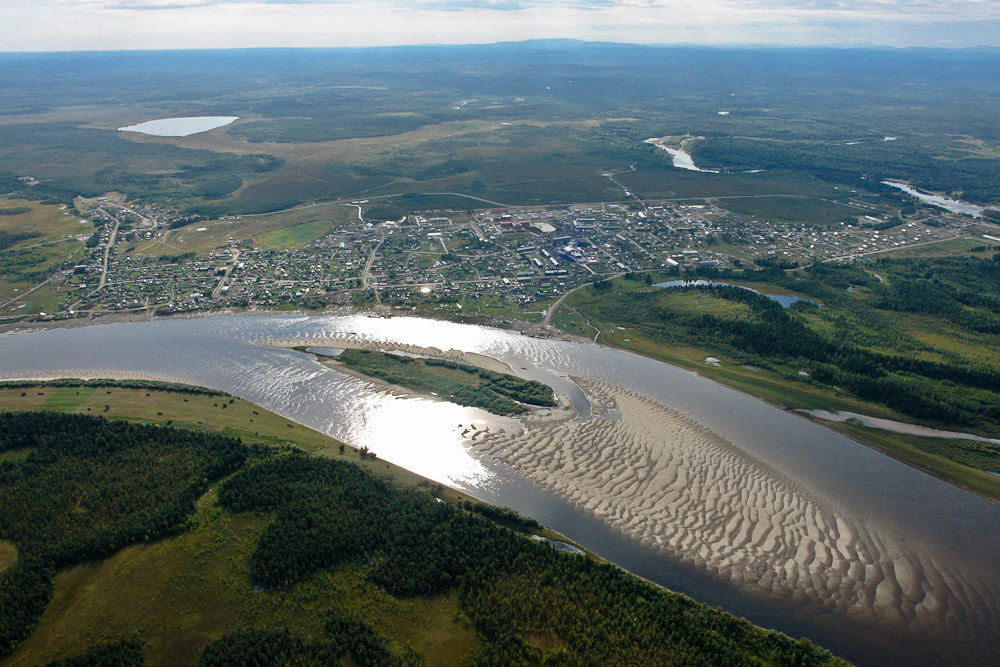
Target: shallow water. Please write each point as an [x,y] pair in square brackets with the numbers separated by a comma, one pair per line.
[180,127]
[896,426]
[953,205]
[930,547]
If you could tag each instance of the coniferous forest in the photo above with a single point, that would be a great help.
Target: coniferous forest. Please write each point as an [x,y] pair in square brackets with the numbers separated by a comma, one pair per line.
[88,487]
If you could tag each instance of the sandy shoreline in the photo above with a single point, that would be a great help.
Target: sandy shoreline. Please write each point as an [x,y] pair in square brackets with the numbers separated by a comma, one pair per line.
[662,477]
[89,375]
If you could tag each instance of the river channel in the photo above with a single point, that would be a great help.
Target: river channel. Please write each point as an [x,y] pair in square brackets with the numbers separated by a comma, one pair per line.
[690,484]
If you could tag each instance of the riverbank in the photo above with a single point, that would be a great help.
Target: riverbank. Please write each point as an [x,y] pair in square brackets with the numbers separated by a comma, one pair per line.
[433,438]
[669,481]
[775,392]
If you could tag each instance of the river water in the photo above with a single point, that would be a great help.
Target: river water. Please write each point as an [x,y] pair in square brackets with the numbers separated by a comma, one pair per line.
[952,205]
[909,575]
[680,158]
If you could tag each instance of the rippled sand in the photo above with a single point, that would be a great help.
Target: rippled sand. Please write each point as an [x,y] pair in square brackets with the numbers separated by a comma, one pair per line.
[665,478]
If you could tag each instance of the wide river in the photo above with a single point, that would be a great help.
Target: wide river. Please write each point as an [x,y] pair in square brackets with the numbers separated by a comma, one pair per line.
[683,481]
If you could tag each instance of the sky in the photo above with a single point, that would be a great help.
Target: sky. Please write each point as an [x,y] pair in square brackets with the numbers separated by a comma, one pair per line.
[84,25]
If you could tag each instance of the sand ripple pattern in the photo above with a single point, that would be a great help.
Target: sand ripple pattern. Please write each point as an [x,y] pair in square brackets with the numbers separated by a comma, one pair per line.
[665,478]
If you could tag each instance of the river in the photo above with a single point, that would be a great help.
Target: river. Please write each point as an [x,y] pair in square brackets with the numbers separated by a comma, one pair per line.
[693,485]
[680,158]
[952,205]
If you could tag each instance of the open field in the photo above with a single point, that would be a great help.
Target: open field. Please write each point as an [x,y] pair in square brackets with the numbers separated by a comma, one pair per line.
[950,248]
[289,230]
[33,244]
[47,220]
[181,592]
[791,209]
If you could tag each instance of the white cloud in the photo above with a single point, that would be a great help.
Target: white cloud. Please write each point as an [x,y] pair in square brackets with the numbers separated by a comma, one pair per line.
[115,24]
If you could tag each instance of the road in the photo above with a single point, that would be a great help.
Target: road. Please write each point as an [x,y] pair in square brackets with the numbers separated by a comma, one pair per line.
[877,252]
[229,270]
[366,274]
[104,262]
[552,309]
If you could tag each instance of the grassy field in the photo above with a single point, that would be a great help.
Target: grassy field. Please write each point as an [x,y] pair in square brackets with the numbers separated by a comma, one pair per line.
[287,230]
[50,241]
[49,221]
[949,248]
[180,593]
[8,554]
[809,210]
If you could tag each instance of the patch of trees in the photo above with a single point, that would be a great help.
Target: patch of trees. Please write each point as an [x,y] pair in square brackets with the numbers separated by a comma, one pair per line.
[498,393]
[25,265]
[343,638]
[89,487]
[121,653]
[863,165]
[9,239]
[505,516]
[14,210]
[331,512]
[110,383]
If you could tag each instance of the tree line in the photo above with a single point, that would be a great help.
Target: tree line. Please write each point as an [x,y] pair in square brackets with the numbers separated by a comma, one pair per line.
[329,513]
[88,487]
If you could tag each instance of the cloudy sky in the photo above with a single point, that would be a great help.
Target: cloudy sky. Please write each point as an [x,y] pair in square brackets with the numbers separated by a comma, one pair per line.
[46,25]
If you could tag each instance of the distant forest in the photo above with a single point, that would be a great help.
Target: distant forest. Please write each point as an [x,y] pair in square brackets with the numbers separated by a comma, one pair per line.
[571,110]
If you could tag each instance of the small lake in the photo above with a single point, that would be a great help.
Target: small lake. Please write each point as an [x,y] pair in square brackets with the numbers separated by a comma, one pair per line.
[952,205]
[783,299]
[180,127]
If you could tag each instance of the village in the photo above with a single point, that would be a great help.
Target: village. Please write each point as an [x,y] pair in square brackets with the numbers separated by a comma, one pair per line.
[498,261]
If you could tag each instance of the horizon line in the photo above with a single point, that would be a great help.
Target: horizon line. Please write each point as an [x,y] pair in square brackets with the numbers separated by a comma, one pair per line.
[526,42]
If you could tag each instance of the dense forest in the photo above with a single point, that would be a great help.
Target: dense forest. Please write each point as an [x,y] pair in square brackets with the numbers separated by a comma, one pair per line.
[120,653]
[855,338]
[511,588]
[89,486]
